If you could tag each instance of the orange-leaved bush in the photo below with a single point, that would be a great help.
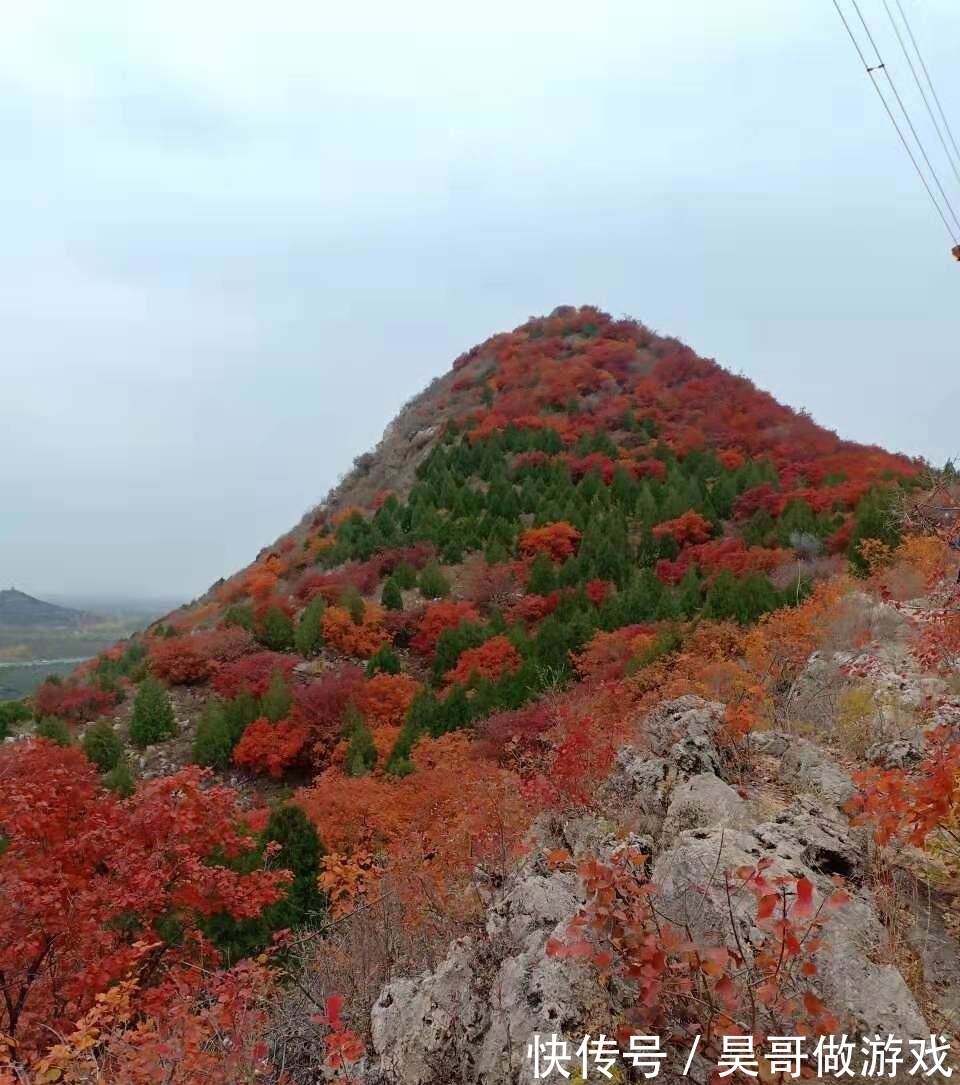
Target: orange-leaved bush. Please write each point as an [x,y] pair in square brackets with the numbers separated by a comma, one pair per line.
[358,639]
[687,529]
[558,541]
[272,748]
[385,699]
[437,617]
[490,660]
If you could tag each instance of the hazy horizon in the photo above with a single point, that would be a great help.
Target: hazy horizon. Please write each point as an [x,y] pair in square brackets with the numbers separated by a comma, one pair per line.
[243,239]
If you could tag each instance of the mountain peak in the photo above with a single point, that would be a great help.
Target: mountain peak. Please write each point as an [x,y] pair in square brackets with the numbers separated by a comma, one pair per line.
[21,611]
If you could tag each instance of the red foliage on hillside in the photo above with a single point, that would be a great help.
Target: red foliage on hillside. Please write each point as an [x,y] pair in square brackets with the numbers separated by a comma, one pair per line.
[490,660]
[79,866]
[75,703]
[323,701]
[271,748]
[342,634]
[534,608]
[252,674]
[195,658]
[385,699]
[606,656]
[438,617]
[730,555]
[685,530]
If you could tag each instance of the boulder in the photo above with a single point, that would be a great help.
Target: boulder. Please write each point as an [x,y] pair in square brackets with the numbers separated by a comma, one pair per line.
[901,753]
[702,800]
[808,768]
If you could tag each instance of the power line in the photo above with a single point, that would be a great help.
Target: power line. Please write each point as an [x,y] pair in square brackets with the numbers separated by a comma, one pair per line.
[893,120]
[916,78]
[903,109]
[933,91]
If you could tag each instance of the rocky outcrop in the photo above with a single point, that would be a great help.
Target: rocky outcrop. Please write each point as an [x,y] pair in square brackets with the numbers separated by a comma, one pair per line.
[805,766]
[470,1020]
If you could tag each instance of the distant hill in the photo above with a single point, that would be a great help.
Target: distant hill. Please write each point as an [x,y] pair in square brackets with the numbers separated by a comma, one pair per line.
[21,611]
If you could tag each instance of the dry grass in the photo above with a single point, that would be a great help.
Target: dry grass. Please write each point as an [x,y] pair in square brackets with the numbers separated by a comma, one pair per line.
[354,957]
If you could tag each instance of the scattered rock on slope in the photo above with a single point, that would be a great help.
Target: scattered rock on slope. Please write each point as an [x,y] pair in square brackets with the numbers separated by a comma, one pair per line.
[471,1019]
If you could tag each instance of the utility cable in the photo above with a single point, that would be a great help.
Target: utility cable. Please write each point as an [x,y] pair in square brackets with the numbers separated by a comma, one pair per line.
[893,120]
[933,90]
[923,94]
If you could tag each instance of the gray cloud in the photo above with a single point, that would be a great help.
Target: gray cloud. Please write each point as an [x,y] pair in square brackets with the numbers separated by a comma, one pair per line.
[237,242]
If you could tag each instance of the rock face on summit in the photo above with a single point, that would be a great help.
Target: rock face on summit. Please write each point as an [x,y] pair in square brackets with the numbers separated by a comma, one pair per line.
[470,1020]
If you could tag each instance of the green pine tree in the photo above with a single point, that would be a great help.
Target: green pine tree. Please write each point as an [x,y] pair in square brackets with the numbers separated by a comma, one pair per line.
[353,601]
[213,742]
[277,701]
[543,577]
[102,745]
[121,779]
[405,576]
[276,630]
[391,597]
[874,519]
[54,729]
[153,718]
[308,639]
[361,753]
[383,661]
[433,584]
[300,853]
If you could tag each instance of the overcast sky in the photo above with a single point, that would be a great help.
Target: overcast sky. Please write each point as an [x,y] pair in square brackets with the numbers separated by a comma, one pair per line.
[237,237]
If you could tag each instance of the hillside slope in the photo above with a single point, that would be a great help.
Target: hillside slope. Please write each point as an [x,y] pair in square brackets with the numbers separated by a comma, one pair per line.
[579,372]
[574,478]
[597,621]
[21,611]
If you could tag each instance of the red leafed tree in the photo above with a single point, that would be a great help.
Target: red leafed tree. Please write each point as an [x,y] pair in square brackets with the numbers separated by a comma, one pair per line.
[584,465]
[597,591]
[178,660]
[363,576]
[490,660]
[558,541]
[86,876]
[762,497]
[385,699]
[530,459]
[688,529]
[606,656]
[271,748]
[261,583]
[650,469]
[534,608]
[321,705]
[75,703]
[215,1030]
[345,514]
[730,554]
[322,702]
[190,660]
[731,459]
[493,585]
[513,738]
[446,614]
[252,674]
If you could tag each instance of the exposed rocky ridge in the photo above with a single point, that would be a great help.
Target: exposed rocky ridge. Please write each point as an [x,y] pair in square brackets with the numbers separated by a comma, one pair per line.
[471,1019]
